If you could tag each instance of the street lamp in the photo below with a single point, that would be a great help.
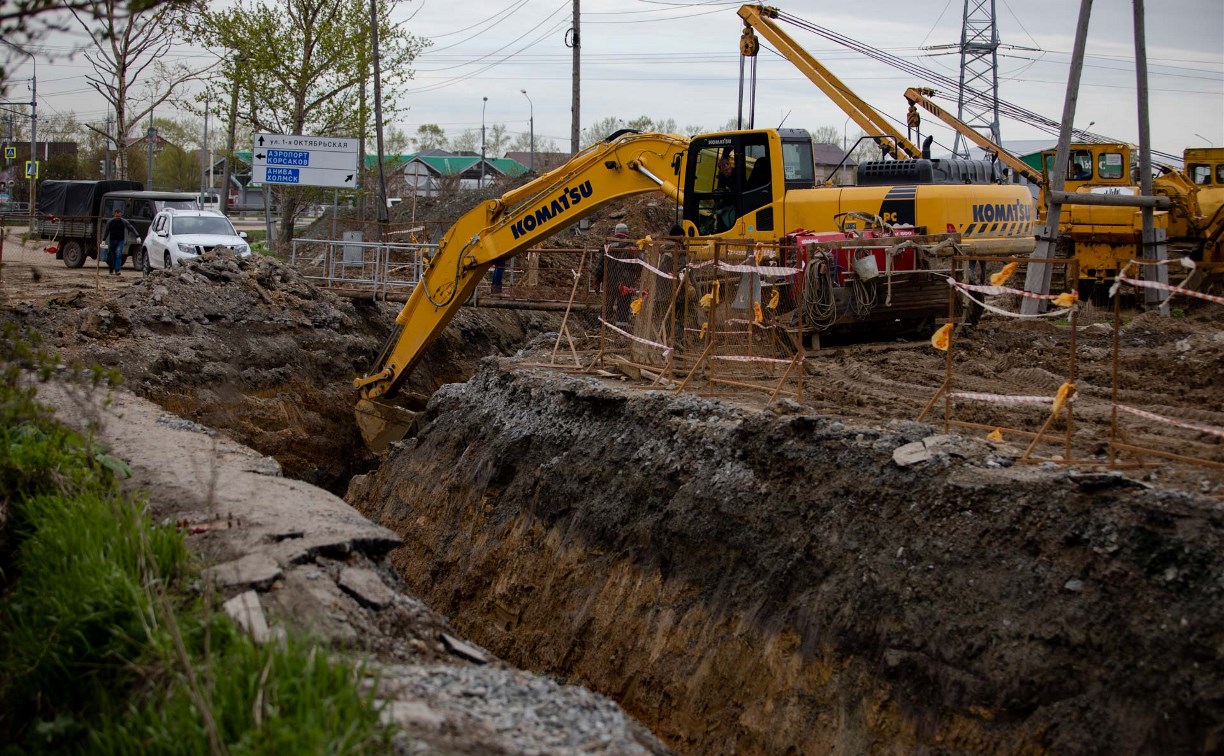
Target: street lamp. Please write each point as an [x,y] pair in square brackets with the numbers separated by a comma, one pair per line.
[33,127]
[482,141]
[1205,139]
[531,122]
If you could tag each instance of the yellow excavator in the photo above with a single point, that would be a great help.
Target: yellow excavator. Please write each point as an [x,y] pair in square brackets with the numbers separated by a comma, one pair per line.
[775,192]
[1104,238]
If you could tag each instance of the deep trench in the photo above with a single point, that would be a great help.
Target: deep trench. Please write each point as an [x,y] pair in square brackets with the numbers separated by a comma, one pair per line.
[674,554]
[762,581]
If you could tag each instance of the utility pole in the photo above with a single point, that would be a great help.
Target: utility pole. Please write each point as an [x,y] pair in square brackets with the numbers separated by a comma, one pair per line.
[378,124]
[482,141]
[574,42]
[229,147]
[204,166]
[149,137]
[1153,249]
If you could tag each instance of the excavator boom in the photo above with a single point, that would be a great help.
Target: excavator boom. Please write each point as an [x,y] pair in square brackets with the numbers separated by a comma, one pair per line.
[625,164]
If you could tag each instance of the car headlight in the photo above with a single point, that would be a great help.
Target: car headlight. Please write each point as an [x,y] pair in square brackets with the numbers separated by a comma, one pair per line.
[188,249]
[242,249]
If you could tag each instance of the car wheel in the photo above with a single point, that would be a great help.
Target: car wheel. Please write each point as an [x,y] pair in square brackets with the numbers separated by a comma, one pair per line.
[73,253]
[167,262]
[145,266]
[138,263]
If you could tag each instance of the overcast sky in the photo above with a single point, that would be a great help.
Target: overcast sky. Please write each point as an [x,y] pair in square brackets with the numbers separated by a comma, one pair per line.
[679,59]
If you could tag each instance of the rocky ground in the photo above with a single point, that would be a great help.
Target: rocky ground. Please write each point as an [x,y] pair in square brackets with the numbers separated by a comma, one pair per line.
[825,577]
[772,580]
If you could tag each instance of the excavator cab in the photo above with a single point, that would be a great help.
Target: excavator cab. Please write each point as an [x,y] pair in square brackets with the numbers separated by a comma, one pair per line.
[731,180]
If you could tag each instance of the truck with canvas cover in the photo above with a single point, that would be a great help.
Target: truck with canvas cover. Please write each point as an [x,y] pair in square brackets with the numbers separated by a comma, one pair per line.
[74,214]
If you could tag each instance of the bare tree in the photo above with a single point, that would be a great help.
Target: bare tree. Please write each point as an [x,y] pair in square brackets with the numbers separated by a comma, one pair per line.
[128,71]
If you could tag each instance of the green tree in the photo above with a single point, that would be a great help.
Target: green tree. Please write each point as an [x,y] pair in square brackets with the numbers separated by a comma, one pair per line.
[305,68]
[430,136]
[176,169]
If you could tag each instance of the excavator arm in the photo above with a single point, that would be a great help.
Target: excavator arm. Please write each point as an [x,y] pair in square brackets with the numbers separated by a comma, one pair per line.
[920,97]
[762,19]
[624,164]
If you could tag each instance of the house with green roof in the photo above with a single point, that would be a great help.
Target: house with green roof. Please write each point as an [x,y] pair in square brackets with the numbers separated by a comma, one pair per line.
[429,175]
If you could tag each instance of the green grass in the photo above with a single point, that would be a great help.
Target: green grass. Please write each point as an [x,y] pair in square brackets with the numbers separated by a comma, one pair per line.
[106,643]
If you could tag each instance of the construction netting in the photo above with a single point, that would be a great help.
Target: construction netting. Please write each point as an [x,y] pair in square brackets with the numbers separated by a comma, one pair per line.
[722,316]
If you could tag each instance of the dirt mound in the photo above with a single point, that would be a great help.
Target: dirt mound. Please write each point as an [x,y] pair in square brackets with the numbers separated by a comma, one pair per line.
[251,347]
[775,581]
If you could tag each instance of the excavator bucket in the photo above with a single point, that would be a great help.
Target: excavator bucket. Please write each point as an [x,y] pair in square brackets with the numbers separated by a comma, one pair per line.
[383,424]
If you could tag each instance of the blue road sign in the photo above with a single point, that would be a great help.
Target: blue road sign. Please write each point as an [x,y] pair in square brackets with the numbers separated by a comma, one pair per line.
[282,176]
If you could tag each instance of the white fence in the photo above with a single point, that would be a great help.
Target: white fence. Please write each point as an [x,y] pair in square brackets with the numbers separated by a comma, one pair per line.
[378,268]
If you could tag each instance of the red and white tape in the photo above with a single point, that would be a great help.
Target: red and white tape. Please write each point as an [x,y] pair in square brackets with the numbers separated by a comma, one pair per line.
[662,347]
[1000,290]
[1009,313]
[972,396]
[764,270]
[1174,289]
[747,358]
[1209,429]
[644,264]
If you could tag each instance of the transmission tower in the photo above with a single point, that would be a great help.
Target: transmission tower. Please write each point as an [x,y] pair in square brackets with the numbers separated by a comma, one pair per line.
[978,99]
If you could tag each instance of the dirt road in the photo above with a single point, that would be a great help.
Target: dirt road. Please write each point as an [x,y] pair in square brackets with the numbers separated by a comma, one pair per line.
[30,274]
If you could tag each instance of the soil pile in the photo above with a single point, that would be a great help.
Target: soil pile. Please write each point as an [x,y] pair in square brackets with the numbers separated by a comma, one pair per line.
[251,347]
[771,579]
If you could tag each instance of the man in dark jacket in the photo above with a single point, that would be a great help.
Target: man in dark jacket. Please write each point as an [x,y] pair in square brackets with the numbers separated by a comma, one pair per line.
[116,237]
[622,276]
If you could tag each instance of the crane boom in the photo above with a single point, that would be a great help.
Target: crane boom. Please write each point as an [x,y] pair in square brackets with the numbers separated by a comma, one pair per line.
[624,164]
[920,97]
[761,18]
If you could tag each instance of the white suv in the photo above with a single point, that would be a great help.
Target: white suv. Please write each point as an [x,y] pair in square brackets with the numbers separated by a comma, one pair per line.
[179,235]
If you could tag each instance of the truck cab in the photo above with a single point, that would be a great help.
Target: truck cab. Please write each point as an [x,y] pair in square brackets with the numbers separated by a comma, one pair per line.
[1098,168]
[1205,169]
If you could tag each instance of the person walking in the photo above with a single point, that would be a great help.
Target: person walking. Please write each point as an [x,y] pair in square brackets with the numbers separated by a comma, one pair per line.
[116,237]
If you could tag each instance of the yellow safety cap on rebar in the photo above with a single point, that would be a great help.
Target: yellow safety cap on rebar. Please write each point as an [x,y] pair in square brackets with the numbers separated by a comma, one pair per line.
[774,298]
[644,241]
[995,435]
[757,315]
[635,306]
[941,338]
[1065,392]
[1066,299]
[1000,278]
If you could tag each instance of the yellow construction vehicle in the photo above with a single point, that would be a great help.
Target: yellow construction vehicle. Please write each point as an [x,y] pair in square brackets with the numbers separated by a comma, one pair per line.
[1104,238]
[1205,171]
[772,192]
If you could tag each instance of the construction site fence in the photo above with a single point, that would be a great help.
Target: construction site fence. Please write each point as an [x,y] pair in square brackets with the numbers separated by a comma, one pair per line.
[728,323]
[1051,415]
[376,269]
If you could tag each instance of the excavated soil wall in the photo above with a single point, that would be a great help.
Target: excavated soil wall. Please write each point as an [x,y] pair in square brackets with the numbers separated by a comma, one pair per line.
[773,581]
[250,347]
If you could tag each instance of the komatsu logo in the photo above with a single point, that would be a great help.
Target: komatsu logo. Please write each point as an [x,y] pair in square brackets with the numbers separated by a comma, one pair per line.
[1001,213]
[568,198]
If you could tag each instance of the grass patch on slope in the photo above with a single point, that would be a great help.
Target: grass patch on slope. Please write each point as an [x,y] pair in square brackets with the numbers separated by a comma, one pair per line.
[107,644]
